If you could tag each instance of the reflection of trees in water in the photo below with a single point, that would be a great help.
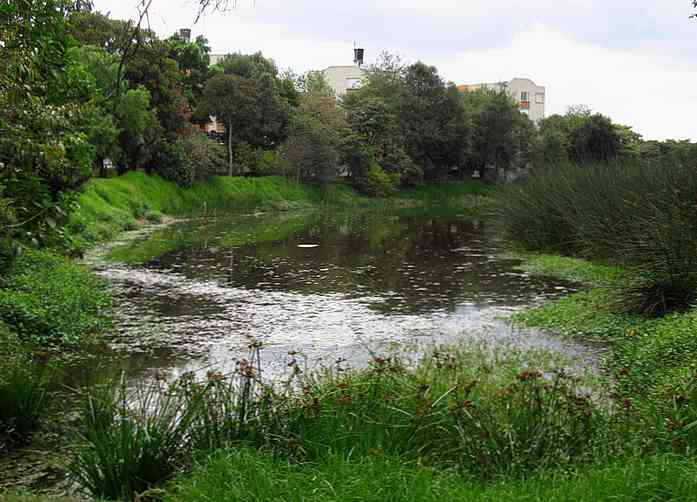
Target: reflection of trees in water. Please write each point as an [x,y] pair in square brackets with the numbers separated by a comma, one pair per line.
[413,263]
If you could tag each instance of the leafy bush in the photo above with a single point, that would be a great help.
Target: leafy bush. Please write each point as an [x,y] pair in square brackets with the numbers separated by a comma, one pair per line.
[378,183]
[49,300]
[23,389]
[643,216]
[246,158]
[171,162]
[205,157]
[272,163]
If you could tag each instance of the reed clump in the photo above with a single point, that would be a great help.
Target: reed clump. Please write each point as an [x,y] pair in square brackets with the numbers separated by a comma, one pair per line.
[452,410]
[640,216]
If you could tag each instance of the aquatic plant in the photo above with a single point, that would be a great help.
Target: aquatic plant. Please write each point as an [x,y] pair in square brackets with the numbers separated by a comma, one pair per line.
[642,216]
[508,422]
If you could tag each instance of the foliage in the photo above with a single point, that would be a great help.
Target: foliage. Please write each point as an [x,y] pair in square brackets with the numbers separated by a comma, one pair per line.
[44,118]
[250,108]
[130,443]
[317,130]
[669,152]
[583,136]
[194,61]
[206,157]
[378,183]
[49,301]
[501,133]
[152,69]
[637,214]
[23,389]
[170,161]
[242,475]
[127,444]
[260,69]
[312,151]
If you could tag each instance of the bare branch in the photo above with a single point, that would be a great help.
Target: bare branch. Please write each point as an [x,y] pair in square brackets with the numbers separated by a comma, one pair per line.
[132,34]
[215,5]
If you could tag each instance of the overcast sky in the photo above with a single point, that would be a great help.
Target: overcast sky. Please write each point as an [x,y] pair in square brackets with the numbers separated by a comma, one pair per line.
[634,60]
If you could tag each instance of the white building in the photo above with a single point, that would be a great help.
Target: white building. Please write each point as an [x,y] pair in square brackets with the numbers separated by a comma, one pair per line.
[530,96]
[344,79]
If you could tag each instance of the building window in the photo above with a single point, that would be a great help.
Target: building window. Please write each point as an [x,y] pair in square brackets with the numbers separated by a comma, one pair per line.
[353,83]
[540,98]
[524,96]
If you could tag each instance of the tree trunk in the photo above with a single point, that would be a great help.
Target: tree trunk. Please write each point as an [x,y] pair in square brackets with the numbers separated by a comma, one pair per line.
[229,147]
[102,167]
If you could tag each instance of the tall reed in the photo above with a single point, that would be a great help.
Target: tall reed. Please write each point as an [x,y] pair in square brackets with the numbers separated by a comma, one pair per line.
[639,215]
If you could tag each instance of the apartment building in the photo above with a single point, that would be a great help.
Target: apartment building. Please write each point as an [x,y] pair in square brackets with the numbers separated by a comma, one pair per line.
[344,79]
[530,96]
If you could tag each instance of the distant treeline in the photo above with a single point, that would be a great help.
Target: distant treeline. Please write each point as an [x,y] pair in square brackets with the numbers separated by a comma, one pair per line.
[81,92]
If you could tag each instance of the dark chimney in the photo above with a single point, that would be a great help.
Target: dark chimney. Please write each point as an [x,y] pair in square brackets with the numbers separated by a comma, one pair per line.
[358,56]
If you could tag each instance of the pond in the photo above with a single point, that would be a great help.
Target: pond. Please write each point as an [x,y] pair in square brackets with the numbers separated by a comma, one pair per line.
[329,285]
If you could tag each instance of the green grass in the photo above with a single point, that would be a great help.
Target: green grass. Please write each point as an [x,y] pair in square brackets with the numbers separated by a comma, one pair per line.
[23,389]
[219,232]
[652,360]
[573,269]
[246,475]
[109,206]
[52,302]
[486,415]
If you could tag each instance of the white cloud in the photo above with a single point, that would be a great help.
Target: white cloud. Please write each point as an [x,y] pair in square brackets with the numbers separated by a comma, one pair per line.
[634,60]
[640,88]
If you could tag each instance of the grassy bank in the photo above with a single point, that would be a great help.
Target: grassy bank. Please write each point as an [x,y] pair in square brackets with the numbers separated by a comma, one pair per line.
[243,475]
[640,216]
[109,206]
[465,423]
[652,360]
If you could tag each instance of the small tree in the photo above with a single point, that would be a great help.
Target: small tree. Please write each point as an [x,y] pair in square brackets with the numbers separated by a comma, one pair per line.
[236,102]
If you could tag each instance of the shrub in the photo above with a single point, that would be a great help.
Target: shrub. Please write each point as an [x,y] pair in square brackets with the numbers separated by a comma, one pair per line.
[204,156]
[23,389]
[171,162]
[272,163]
[377,182]
[246,159]
[129,443]
[49,300]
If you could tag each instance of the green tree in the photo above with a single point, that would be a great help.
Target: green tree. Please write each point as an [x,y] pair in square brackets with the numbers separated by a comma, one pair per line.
[194,61]
[237,103]
[596,139]
[44,118]
[152,68]
[258,68]
[494,145]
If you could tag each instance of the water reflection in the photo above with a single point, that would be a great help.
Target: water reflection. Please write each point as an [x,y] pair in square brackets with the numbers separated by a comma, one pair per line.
[329,285]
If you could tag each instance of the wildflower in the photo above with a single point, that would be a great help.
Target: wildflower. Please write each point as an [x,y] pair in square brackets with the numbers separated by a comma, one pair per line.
[528,376]
[215,376]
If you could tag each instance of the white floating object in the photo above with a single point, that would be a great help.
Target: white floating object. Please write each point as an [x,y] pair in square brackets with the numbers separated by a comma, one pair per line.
[308,246]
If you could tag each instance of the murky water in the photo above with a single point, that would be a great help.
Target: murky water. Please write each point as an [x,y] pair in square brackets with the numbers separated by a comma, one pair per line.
[326,285]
